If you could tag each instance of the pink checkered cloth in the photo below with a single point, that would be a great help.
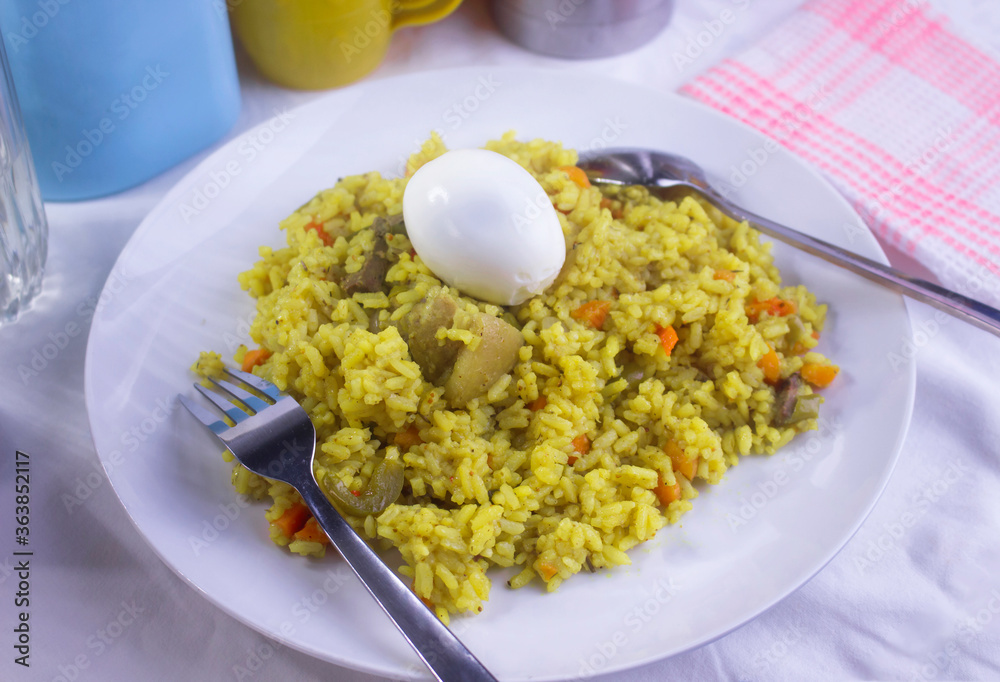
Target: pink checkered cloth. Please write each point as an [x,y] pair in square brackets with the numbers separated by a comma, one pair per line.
[900,113]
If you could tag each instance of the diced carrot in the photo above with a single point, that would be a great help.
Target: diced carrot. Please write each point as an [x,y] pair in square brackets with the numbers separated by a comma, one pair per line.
[292,519]
[754,309]
[408,438]
[593,313]
[616,210]
[775,307]
[668,337]
[667,493]
[317,225]
[771,364]
[255,357]
[815,335]
[727,275]
[538,403]
[679,460]
[576,175]
[311,532]
[571,460]
[546,569]
[581,444]
[819,375]
[783,308]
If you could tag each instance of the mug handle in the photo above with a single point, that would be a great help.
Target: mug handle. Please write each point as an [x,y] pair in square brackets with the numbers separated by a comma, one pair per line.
[416,12]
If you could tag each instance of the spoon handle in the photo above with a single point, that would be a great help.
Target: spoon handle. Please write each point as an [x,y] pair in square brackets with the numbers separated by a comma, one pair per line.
[972,311]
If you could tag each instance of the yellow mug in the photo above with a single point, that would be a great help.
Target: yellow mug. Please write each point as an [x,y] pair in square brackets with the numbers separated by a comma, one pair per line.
[318,44]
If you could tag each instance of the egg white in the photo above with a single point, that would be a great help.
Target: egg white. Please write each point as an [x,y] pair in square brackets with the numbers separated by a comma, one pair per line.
[484,225]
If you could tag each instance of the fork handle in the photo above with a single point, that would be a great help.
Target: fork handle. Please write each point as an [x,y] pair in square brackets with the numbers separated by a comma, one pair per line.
[441,651]
[970,310]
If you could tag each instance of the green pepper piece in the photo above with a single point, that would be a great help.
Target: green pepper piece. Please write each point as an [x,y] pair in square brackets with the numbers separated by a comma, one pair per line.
[796,330]
[383,489]
[806,407]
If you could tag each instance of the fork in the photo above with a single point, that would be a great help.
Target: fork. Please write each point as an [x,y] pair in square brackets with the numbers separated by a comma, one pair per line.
[257,432]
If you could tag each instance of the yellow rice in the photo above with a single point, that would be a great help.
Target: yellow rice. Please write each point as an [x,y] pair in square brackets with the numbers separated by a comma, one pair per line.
[502,482]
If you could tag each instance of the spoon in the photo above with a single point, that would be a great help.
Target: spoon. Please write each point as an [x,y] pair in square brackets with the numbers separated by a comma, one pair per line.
[632,166]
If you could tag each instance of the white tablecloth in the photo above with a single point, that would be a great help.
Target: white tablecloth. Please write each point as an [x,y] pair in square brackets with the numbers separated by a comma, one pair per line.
[914,595]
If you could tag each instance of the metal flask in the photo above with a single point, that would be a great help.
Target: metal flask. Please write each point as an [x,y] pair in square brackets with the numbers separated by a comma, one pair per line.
[581,29]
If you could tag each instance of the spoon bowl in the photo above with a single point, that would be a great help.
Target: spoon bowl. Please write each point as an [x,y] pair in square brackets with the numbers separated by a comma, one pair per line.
[630,166]
[670,175]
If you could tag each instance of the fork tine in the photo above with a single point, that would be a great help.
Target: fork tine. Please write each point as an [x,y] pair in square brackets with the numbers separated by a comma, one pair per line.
[262,385]
[246,397]
[232,411]
[217,426]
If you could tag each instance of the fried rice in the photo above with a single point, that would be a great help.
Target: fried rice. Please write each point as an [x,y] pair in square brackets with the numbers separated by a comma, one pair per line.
[666,349]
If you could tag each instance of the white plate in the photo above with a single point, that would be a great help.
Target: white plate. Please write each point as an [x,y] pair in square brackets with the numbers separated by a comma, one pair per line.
[749,542]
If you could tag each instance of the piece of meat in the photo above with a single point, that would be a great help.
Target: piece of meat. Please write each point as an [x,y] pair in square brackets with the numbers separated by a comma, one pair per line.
[434,356]
[465,373]
[477,369]
[784,399]
[633,371]
[371,277]
[790,406]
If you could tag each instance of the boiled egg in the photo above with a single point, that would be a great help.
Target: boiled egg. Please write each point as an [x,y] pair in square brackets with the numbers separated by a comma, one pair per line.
[484,225]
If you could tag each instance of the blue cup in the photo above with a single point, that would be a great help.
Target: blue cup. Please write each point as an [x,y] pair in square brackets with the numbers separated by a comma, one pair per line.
[114,93]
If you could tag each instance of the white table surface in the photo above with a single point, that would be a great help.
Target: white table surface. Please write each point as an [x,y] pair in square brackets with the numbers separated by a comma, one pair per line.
[914,595]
